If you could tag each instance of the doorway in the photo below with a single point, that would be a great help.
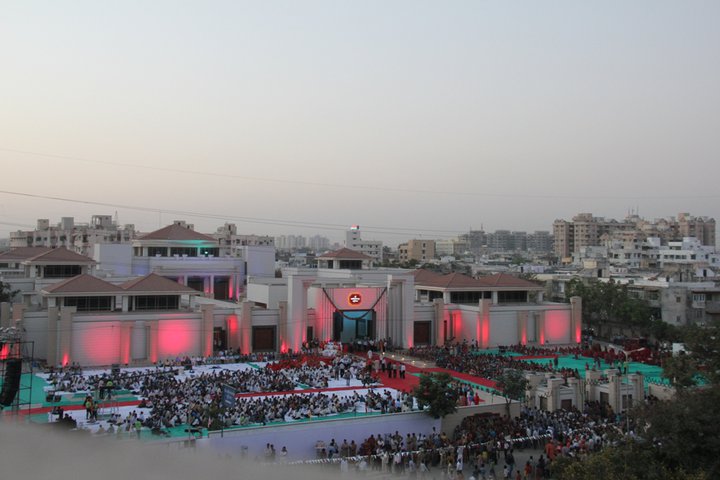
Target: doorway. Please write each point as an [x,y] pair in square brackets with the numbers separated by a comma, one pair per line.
[349,325]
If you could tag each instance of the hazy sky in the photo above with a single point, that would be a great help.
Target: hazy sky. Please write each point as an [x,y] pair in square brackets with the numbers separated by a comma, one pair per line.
[401,116]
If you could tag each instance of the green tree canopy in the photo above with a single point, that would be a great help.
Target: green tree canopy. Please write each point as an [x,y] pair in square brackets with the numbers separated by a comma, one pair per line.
[436,392]
[514,385]
[610,302]
[6,292]
[631,461]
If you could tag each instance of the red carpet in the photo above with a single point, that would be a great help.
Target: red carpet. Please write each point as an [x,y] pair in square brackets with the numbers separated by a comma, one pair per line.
[35,411]
[410,380]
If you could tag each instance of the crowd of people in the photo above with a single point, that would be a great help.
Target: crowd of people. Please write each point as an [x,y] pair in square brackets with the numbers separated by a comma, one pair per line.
[485,365]
[266,394]
[483,446]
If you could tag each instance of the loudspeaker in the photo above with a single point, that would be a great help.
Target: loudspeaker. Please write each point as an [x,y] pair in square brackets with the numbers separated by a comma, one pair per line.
[11,383]
[115,369]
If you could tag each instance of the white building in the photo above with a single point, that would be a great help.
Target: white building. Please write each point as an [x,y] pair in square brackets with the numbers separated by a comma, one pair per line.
[354,241]
[78,237]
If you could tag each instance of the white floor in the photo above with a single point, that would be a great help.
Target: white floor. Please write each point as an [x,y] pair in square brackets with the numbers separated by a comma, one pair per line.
[79,415]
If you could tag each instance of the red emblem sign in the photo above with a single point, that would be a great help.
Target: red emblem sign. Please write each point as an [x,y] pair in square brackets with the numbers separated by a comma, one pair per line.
[354,299]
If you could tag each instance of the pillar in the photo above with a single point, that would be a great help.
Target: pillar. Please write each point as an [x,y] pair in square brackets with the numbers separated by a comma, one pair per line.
[407,314]
[18,312]
[576,319]
[439,320]
[283,334]
[125,342]
[138,356]
[484,319]
[294,320]
[65,335]
[522,318]
[5,314]
[540,327]
[637,381]
[554,385]
[614,390]
[152,341]
[206,338]
[52,336]
[245,327]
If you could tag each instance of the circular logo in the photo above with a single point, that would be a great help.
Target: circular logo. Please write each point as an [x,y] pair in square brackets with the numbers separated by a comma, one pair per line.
[354,299]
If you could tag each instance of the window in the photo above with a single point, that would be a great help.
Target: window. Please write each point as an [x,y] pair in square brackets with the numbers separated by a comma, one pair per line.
[155,302]
[61,271]
[190,252]
[512,297]
[157,251]
[89,304]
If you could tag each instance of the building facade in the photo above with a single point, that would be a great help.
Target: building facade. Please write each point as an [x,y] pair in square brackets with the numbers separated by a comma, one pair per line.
[354,241]
[78,237]
[421,251]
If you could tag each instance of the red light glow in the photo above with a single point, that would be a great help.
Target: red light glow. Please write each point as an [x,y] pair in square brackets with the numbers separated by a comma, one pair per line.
[178,338]
[457,324]
[232,326]
[485,334]
[557,327]
[98,342]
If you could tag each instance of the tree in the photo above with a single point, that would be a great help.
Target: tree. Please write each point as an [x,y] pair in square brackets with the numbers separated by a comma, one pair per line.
[6,292]
[436,391]
[703,345]
[681,370]
[610,302]
[677,438]
[513,384]
[684,430]
[702,359]
[632,461]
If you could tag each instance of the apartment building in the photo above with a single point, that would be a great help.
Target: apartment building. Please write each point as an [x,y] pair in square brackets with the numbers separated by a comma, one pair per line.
[585,230]
[354,241]
[421,251]
[77,237]
[227,236]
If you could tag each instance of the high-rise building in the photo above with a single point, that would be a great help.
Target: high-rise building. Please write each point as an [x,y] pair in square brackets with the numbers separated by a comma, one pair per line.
[586,231]
[318,243]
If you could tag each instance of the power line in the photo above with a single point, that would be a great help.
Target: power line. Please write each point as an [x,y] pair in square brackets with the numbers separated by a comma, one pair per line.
[262,221]
[484,194]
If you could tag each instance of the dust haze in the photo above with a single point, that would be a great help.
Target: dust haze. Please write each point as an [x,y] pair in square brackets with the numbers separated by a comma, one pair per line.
[38,452]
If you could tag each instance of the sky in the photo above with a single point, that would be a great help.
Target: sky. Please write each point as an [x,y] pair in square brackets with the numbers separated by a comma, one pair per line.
[412,119]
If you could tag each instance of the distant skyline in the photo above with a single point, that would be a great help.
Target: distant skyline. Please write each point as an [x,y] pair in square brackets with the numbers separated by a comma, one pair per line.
[404,117]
